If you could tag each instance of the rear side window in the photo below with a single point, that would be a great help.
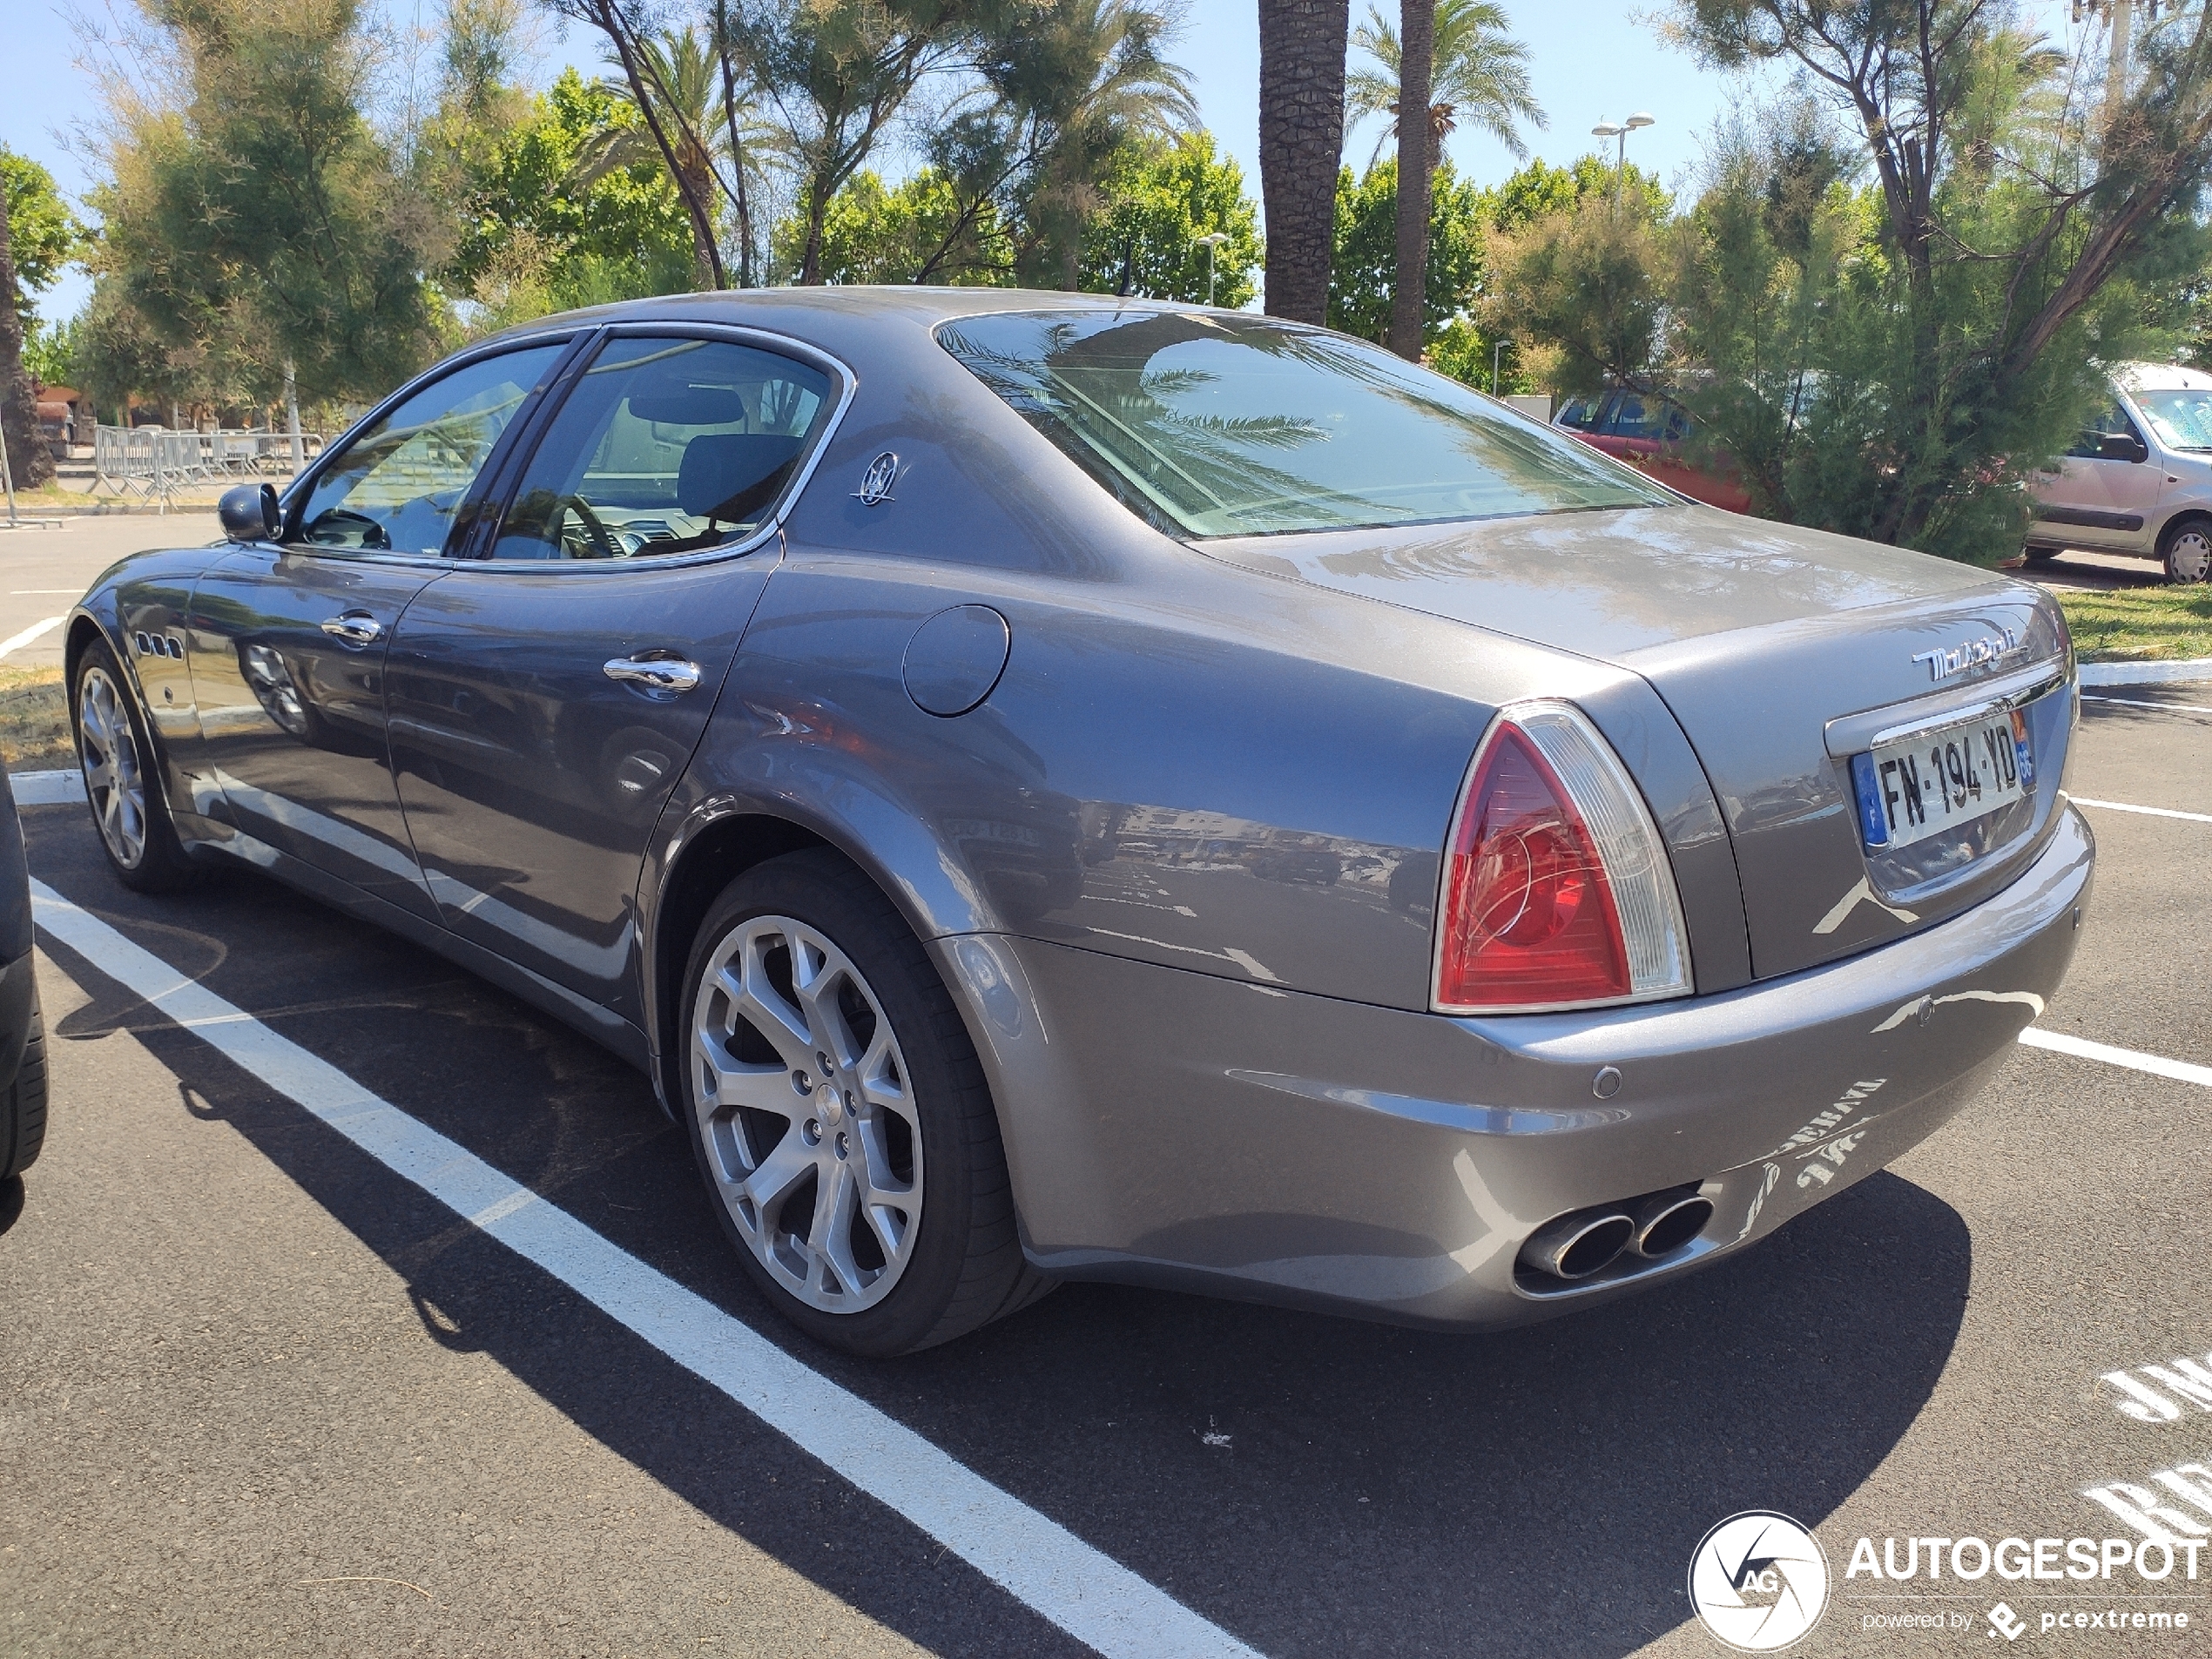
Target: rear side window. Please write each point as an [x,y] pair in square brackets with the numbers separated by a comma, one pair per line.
[666,446]
[1237,425]
[2113,422]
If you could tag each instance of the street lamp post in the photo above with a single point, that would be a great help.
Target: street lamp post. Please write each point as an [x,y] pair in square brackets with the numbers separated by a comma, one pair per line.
[1211,240]
[1496,346]
[1605,129]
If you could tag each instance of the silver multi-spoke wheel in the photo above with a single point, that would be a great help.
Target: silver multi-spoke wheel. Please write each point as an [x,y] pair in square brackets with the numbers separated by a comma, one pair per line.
[813,1137]
[2189,554]
[114,778]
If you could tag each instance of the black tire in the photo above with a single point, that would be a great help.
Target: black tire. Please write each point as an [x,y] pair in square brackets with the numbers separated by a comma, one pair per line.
[23,1107]
[156,862]
[2185,549]
[964,1266]
[2039,554]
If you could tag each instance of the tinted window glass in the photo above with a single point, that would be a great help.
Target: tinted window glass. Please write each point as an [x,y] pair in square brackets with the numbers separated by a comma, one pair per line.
[1638,416]
[1232,425]
[2181,419]
[1581,413]
[665,446]
[397,486]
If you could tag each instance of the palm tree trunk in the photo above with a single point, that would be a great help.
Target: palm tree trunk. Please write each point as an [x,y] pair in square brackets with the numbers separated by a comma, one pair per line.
[1302,45]
[1416,143]
[29,462]
[697,186]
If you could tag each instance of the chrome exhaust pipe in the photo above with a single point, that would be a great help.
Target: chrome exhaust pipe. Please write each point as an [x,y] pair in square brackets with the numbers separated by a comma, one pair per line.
[1578,1245]
[1667,1221]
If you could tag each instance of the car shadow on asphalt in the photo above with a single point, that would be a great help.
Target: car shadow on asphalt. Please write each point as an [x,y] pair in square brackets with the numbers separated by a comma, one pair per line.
[1315,1485]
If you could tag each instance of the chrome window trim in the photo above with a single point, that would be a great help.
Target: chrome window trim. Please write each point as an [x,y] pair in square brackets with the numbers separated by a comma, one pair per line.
[766,340]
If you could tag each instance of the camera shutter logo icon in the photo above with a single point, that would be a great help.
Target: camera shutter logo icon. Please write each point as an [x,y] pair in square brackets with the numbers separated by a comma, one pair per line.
[1759,1581]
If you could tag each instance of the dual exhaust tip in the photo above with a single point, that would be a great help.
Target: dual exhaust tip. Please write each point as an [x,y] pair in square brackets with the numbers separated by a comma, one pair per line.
[1589,1241]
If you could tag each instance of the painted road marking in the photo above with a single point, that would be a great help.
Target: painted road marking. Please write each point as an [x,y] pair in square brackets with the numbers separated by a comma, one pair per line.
[1082,1590]
[2082,1049]
[17,642]
[2148,811]
[2140,703]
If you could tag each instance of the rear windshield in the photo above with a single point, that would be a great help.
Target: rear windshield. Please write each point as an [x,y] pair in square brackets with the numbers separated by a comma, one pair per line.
[1236,425]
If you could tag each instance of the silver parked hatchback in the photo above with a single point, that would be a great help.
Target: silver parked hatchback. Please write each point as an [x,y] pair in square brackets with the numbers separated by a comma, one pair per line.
[1055,787]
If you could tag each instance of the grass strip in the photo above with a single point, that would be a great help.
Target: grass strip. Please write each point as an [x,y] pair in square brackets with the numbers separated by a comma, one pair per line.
[2139,625]
[34,720]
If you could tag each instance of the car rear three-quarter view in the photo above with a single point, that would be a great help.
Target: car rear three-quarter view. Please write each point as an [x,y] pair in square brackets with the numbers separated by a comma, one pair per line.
[1060,788]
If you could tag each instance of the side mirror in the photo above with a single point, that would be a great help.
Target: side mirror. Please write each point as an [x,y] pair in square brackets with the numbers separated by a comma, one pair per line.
[2122,446]
[250,513]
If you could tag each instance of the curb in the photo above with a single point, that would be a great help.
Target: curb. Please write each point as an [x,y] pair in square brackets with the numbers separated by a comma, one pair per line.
[2181,673]
[120,510]
[48,788]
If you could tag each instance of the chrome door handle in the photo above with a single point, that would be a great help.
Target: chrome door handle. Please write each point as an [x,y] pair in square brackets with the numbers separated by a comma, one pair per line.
[354,628]
[655,676]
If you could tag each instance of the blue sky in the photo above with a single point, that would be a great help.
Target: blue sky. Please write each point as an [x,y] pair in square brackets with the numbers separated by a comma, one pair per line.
[1589,60]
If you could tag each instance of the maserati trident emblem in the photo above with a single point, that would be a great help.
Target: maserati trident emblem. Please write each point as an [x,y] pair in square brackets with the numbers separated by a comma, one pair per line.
[876,481]
[1973,653]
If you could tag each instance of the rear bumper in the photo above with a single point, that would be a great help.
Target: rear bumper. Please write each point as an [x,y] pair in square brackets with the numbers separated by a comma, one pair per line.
[1189,1131]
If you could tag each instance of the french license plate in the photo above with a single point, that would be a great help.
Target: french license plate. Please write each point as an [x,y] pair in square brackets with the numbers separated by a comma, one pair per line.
[1922,785]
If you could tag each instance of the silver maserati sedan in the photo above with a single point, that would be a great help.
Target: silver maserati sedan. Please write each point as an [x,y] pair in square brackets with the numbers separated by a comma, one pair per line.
[1059,787]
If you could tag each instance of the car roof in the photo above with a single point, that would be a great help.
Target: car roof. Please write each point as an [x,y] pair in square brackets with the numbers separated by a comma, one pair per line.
[2162,377]
[795,309]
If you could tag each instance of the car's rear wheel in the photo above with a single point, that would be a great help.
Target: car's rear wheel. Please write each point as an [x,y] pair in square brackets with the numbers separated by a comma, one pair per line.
[23,1107]
[122,778]
[2186,550]
[840,1117]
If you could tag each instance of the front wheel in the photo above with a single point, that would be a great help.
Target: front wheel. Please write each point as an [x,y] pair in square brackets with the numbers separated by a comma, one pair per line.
[841,1118]
[2186,550]
[122,778]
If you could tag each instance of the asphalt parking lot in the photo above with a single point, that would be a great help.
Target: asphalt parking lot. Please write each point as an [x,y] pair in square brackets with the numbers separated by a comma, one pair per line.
[259,1392]
[45,571]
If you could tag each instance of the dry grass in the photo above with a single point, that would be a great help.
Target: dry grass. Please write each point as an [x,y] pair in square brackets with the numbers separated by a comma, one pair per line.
[34,720]
[2140,624]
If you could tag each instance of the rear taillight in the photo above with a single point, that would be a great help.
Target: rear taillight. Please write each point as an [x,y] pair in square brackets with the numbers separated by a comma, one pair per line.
[1557,891]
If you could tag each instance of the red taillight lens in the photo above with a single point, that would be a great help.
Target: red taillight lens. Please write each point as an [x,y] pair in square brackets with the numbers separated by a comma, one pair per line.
[1529,918]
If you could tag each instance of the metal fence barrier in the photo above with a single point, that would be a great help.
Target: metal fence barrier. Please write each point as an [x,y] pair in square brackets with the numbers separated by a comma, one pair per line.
[156,462]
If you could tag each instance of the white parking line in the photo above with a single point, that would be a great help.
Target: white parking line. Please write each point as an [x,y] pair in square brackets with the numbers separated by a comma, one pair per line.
[2142,703]
[15,642]
[2148,811]
[1086,1593]
[2082,1049]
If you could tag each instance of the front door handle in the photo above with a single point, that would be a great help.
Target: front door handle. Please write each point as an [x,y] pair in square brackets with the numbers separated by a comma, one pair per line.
[354,628]
[657,677]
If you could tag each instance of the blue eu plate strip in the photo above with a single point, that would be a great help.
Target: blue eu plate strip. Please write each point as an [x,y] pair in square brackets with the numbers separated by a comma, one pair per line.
[1873,823]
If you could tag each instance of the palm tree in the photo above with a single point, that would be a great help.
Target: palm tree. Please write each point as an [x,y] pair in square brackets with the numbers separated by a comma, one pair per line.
[1479,77]
[1418,147]
[688,122]
[1301,145]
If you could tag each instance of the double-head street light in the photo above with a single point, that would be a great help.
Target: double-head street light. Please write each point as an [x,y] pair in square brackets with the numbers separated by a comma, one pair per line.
[1211,240]
[1605,129]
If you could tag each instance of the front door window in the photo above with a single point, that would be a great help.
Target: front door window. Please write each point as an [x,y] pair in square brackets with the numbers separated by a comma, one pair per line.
[397,486]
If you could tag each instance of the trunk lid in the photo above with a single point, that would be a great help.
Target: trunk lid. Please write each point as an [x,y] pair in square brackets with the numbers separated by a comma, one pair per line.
[1764,640]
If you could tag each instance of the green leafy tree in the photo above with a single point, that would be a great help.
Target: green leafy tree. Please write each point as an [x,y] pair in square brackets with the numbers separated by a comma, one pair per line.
[543,232]
[2019,227]
[1539,190]
[873,233]
[1163,196]
[1364,274]
[43,235]
[1584,285]
[260,228]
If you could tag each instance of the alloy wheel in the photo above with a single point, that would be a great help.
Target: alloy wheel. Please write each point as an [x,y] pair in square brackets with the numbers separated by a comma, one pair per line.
[813,1139]
[108,749]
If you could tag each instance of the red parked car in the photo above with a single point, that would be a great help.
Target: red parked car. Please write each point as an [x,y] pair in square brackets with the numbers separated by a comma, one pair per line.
[1648,432]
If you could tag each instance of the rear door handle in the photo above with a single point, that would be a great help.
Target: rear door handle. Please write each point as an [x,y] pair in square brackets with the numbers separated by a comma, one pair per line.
[354,628]
[657,677]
